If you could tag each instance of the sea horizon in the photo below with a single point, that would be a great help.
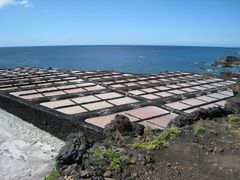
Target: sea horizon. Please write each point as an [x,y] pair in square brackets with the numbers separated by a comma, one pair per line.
[62,45]
[124,58]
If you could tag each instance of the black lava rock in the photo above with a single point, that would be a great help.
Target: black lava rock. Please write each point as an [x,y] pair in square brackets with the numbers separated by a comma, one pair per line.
[187,119]
[233,104]
[123,126]
[138,129]
[72,151]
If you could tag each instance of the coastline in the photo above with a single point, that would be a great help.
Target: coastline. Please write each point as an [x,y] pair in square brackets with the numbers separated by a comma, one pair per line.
[29,153]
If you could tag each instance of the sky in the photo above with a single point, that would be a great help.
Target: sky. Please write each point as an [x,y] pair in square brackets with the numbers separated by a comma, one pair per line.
[120,22]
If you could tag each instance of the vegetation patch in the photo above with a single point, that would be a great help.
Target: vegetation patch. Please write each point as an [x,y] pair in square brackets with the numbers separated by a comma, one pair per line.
[54,175]
[148,131]
[199,129]
[233,118]
[111,156]
[153,142]
[77,142]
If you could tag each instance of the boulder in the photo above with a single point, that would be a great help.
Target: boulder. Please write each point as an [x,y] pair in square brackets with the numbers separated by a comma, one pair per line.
[233,104]
[236,89]
[122,126]
[72,151]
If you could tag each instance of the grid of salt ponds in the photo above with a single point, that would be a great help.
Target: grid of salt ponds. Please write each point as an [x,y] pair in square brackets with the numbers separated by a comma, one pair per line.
[159,118]
[204,102]
[130,80]
[88,103]
[156,92]
[101,76]
[57,90]
[28,78]
[52,83]
[149,116]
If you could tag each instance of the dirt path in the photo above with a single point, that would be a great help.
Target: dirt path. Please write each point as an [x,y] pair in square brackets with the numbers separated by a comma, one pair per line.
[26,152]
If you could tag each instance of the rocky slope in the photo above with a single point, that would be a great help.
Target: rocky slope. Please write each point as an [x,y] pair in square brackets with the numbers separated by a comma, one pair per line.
[202,145]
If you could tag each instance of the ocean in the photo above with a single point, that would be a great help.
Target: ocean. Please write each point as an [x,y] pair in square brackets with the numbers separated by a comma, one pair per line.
[136,59]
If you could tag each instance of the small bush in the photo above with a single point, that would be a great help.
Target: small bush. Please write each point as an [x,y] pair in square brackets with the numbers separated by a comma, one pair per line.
[148,131]
[149,145]
[233,118]
[54,175]
[170,133]
[111,156]
[160,140]
[199,129]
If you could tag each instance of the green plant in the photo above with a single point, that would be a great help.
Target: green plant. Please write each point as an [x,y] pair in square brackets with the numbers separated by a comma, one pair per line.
[77,142]
[148,131]
[160,140]
[170,133]
[149,145]
[233,118]
[54,175]
[111,155]
[117,163]
[199,129]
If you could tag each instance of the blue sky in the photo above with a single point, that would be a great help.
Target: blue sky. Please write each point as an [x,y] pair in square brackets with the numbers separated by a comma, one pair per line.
[130,22]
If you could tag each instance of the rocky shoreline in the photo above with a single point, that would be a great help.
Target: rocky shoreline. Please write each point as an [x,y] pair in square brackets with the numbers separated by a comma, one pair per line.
[227,62]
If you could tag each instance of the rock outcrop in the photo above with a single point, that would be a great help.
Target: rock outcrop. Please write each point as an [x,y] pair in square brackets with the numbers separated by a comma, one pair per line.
[122,126]
[233,104]
[228,61]
[187,119]
[75,159]
[73,150]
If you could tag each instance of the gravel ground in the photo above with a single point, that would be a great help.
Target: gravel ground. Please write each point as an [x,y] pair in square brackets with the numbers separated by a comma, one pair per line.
[26,152]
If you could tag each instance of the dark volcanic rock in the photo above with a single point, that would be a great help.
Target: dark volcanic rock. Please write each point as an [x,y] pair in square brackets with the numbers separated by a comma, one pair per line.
[233,104]
[228,61]
[236,89]
[229,75]
[72,151]
[75,160]
[122,126]
[138,129]
[187,119]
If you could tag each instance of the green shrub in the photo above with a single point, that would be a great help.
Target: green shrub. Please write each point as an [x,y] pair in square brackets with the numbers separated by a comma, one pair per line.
[111,155]
[170,133]
[54,175]
[233,118]
[148,131]
[199,129]
[149,145]
[160,140]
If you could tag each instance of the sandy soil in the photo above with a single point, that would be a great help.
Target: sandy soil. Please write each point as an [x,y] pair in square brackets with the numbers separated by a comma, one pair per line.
[26,152]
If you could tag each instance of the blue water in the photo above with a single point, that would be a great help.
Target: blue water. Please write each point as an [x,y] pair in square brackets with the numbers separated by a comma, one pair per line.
[139,59]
